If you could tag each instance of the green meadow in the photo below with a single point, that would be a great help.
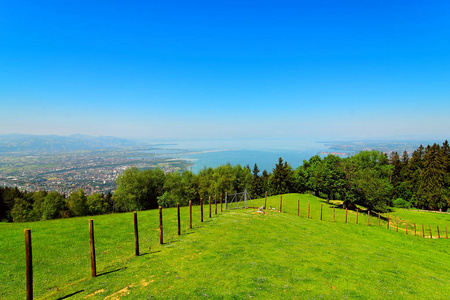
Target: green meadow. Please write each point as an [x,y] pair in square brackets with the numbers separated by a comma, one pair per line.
[235,254]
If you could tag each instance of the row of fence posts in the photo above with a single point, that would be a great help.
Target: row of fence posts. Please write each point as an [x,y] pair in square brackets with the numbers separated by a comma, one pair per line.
[357,214]
[28,248]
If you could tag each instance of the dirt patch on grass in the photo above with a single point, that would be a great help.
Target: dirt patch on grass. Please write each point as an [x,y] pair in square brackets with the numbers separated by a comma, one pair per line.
[260,213]
[95,293]
[145,282]
[120,293]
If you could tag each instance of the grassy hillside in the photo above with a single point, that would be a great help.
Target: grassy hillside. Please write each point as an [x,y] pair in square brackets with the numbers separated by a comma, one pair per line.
[235,254]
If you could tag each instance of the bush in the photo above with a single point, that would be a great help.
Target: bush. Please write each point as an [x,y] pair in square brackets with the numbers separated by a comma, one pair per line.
[166,200]
[400,203]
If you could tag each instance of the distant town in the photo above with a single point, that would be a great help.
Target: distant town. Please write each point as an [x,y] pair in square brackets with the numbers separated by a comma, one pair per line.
[94,171]
[68,163]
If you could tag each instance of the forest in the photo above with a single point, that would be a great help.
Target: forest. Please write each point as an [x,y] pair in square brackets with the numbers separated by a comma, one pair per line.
[372,179]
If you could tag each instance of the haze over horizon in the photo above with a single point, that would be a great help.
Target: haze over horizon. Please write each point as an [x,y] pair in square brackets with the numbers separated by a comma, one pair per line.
[236,69]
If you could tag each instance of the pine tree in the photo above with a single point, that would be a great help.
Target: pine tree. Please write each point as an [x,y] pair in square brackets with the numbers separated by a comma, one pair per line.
[431,190]
[445,154]
[265,182]
[282,178]
[257,182]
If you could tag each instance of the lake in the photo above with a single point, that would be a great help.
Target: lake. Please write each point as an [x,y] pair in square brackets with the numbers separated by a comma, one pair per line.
[263,152]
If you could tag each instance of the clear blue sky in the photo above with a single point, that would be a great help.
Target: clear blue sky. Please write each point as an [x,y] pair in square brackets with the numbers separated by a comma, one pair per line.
[226,69]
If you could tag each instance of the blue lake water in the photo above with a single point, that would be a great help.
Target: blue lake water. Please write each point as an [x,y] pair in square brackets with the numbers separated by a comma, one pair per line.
[265,160]
[263,152]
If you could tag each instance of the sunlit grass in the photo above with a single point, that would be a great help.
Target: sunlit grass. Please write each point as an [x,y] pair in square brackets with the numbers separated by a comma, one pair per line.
[233,255]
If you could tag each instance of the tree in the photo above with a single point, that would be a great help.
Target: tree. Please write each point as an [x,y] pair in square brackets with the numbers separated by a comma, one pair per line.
[54,206]
[243,178]
[138,190]
[7,202]
[38,202]
[223,178]
[189,187]
[414,170]
[77,203]
[300,179]
[445,154]
[373,189]
[206,182]
[165,200]
[282,178]
[22,210]
[265,179]
[367,180]
[257,182]
[96,204]
[179,188]
[333,176]
[173,191]
[314,171]
[431,192]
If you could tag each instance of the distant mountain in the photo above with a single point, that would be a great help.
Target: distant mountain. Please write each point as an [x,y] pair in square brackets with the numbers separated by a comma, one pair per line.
[57,143]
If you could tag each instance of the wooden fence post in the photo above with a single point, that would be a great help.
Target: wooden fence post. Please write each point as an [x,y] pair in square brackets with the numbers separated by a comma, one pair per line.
[431,235]
[321,212]
[378,219]
[161,241]
[221,209]
[190,214]
[446,235]
[406,227]
[29,263]
[368,218]
[423,231]
[415,232]
[210,206]
[397,224]
[346,211]
[136,235]
[91,239]
[201,209]
[215,202]
[281,202]
[298,208]
[265,201]
[179,221]
[357,210]
[334,214]
[439,235]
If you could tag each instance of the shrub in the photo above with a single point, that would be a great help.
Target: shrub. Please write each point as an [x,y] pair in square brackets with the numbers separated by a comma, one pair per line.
[400,203]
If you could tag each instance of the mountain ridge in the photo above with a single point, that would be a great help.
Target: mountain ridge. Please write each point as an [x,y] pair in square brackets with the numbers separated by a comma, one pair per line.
[54,143]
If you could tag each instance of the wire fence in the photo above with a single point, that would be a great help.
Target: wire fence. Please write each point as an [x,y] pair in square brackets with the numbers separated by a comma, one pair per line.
[172,222]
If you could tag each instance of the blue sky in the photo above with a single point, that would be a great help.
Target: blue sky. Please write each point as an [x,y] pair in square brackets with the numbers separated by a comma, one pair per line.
[226,69]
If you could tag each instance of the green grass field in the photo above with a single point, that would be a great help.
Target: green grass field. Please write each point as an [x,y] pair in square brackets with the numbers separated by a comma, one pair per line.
[235,254]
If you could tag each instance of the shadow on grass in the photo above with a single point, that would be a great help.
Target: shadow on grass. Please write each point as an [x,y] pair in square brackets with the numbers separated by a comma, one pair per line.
[70,295]
[147,253]
[109,272]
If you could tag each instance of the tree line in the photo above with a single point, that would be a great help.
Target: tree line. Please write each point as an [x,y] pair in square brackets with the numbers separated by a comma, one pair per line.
[20,206]
[370,178]
[378,181]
